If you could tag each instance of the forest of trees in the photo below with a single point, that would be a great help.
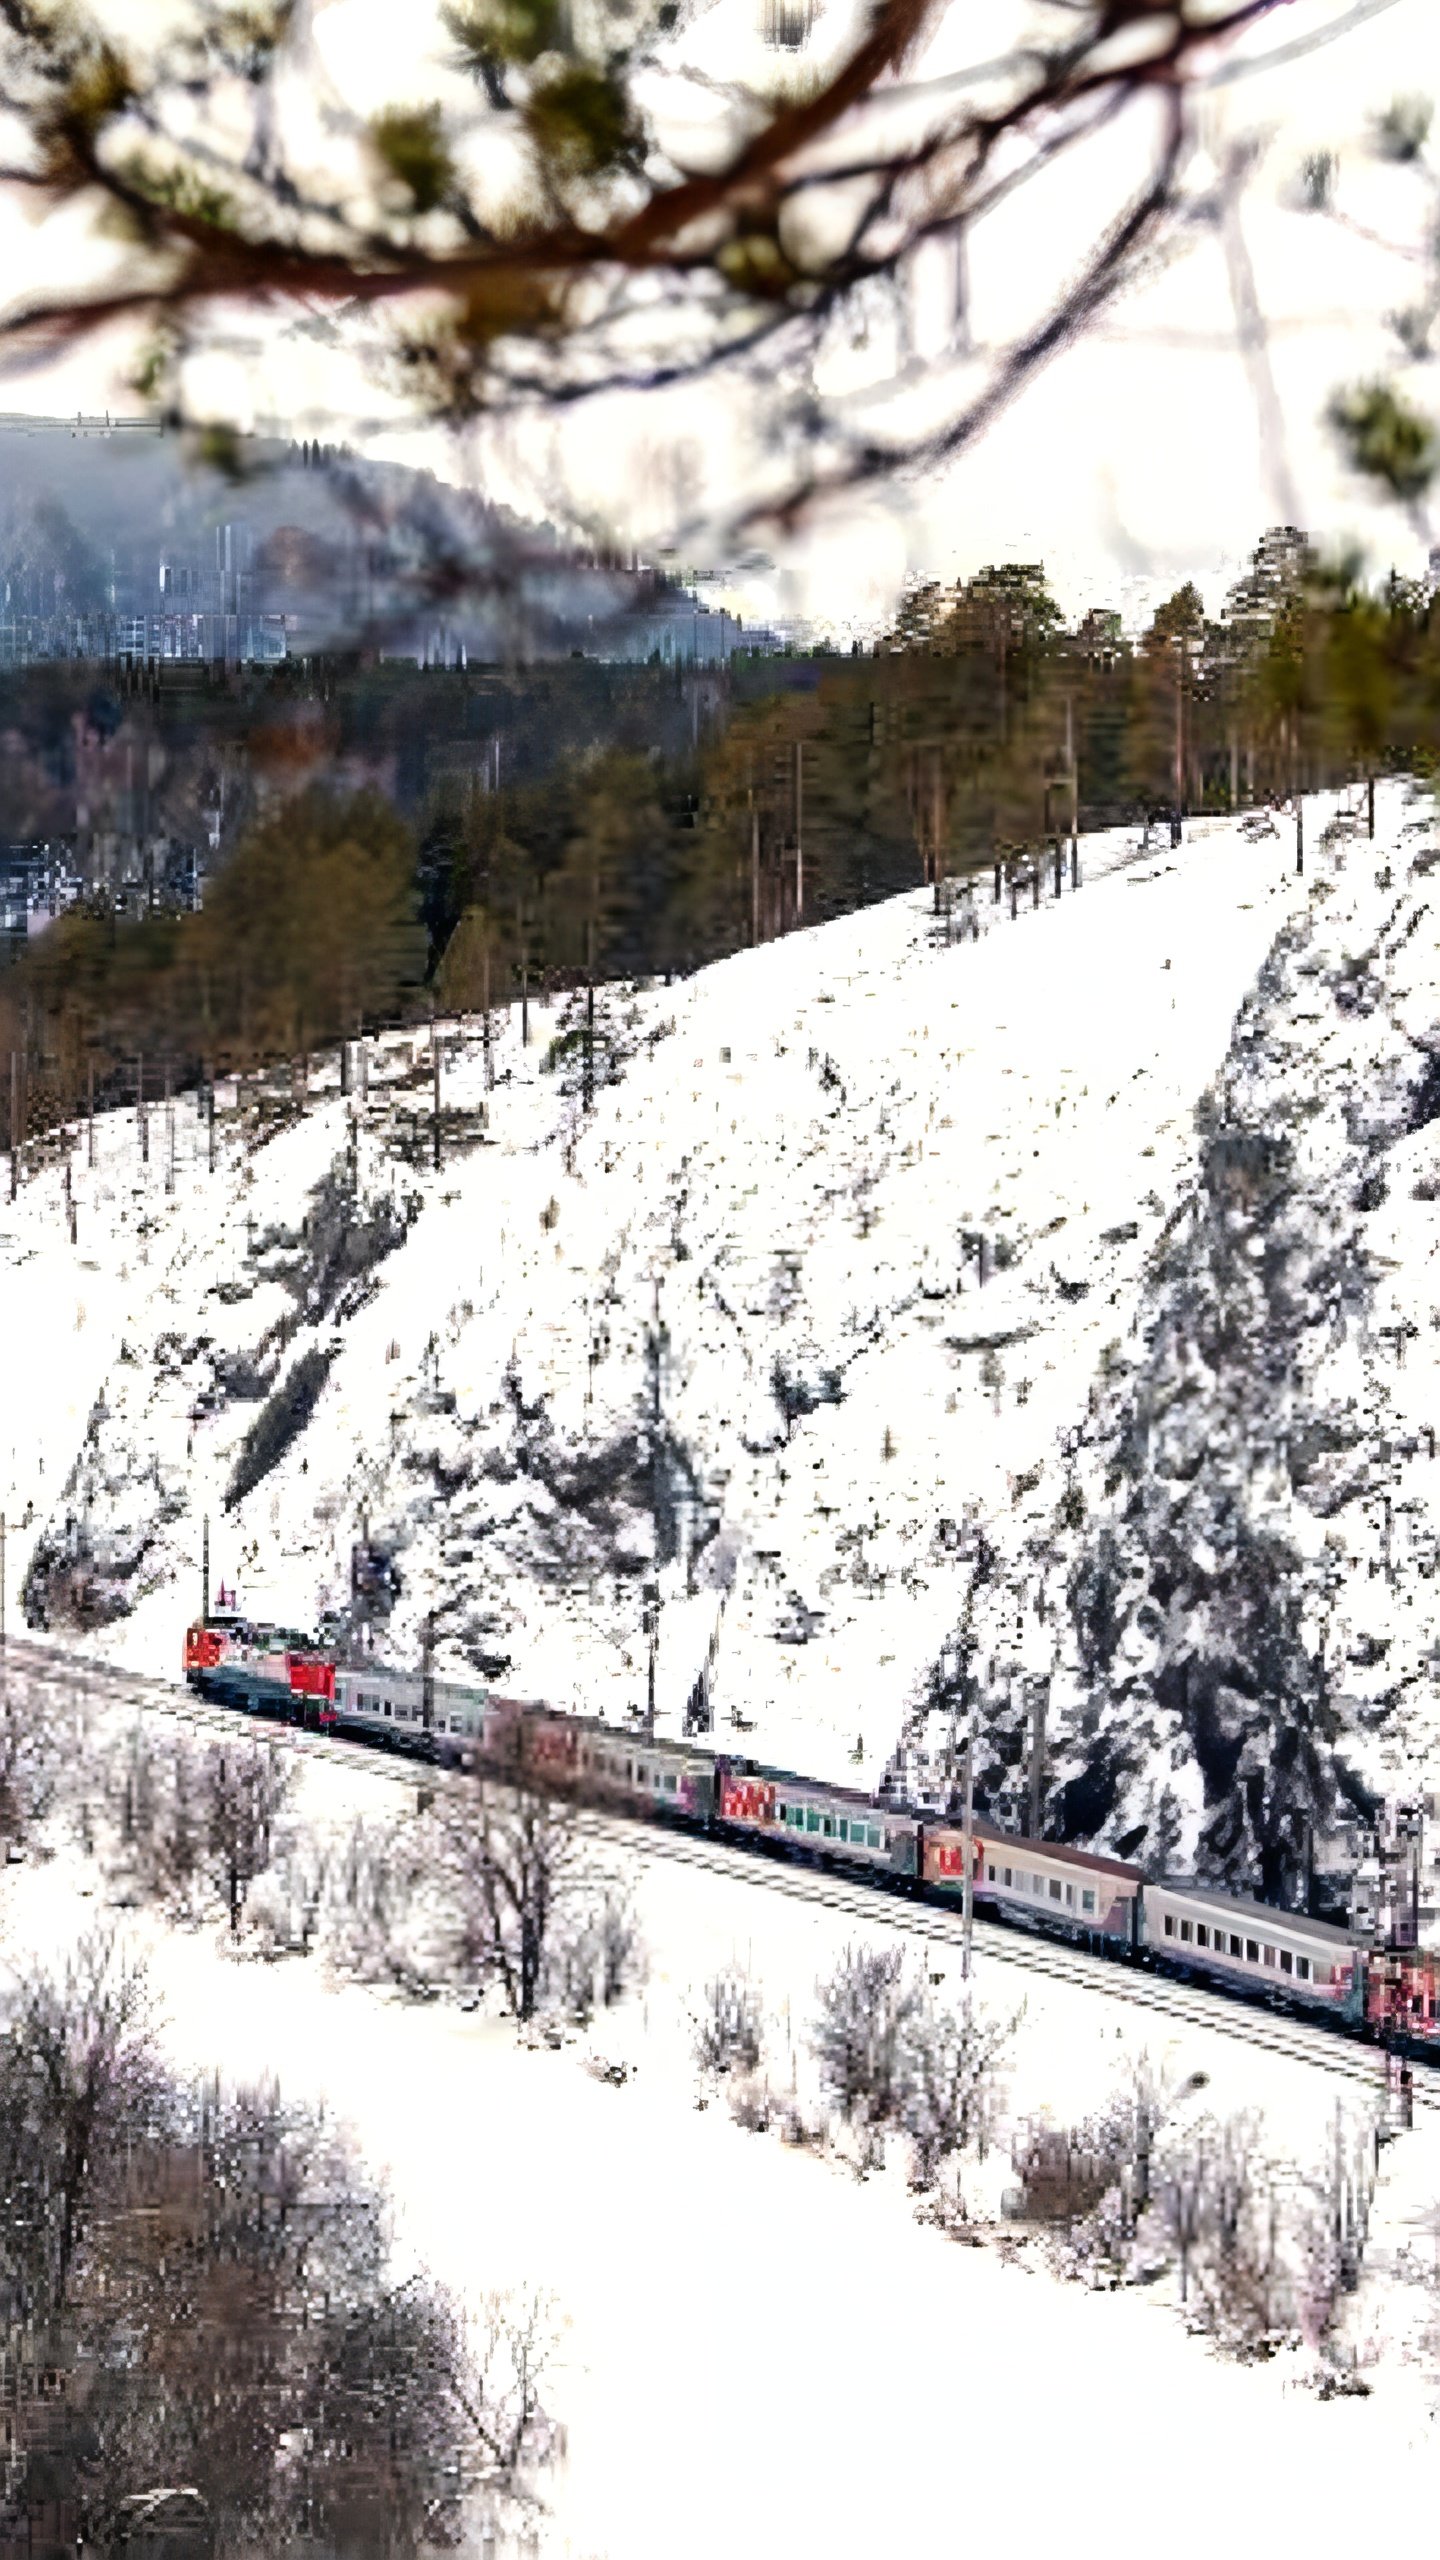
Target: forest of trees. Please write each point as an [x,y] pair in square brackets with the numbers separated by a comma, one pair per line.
[579,823]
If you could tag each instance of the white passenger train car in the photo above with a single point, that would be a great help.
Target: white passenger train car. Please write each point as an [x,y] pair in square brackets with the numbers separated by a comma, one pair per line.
[1285,1954]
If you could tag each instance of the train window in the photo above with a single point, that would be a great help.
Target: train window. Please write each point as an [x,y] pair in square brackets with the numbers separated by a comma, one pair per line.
[843,1828]
[827,1825]
[1070,1897]
[1087,1900]
[812,1818]
[1054,1888]
[1008,1877]
[1287,1961]
[1302,1967]
[1202,1934]
[875,1838]
[671,1782]
[1252,1951]
[387,1706]
[629,1768]
[1186,1931]
[1269,1955]
[989,1875]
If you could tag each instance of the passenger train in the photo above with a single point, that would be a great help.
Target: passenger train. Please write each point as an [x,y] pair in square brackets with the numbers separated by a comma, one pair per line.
[1283,1959]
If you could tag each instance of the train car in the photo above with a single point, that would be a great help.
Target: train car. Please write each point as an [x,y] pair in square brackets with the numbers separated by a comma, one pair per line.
[1040,1882]
[267,1670]
[636,1773]
[447,1723]
[1280,1956]
[813,1820]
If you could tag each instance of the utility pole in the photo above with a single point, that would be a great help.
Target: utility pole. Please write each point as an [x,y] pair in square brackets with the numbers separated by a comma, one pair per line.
[169,1132]
[14,1123]
[90,1117]
[754,869]
[1037,1758]
[1299,833]
[587,1096]
[435,1073]
[1074,772]
[799,831]
[210,1120]
[427,1672]
[652,1630]
[4,1526]
[967,1838]
[205,1569]
[140,1109]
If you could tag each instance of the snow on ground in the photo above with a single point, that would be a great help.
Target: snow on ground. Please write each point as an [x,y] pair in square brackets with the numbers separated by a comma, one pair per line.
[760,2349]
[733,1319]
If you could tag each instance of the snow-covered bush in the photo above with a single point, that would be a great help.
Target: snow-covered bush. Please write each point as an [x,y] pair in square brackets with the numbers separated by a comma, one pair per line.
[867,2008]
[729,2027]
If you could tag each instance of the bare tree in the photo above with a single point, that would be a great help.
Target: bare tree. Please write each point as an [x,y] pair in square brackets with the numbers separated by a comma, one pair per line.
[287,1908]
[1184,2192]
[516,1875]
[866,2011]
[600,1956]
[376,1917]
[76,2066]
[729,2028]
[247,1787]
[239,2353]
[948,2070]
[512,2351]
[37,1743]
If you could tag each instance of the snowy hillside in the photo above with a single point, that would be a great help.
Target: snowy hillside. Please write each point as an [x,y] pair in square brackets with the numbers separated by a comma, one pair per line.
[731,1332]
[1229,1566]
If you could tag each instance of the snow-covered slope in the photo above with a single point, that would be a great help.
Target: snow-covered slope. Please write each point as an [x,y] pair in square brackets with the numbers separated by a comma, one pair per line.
[1230,1563]
[729,1330]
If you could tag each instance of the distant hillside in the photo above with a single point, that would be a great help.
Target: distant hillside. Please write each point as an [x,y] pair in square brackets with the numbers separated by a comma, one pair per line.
[350,548]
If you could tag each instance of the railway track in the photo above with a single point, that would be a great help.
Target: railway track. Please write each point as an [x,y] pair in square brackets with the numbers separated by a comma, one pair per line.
[1322,2049]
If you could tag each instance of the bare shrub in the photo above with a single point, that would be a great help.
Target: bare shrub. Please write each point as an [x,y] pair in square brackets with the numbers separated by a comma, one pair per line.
[599,1960]
[1335,2227]
[375,1907]
[729,2030]
[516,1885]
[246,1788]
[752,2106]
[948,2076]
[1064,2172]
[39,1741]
[866,2010]
[1244,2296]
[802,2128]
[285,1908]
[1183,2201]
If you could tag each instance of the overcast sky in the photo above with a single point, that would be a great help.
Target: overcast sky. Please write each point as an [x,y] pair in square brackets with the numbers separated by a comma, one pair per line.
[1135,461]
